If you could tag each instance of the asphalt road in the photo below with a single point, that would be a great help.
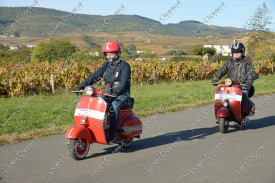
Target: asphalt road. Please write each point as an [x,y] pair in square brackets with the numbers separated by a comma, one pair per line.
[174,147]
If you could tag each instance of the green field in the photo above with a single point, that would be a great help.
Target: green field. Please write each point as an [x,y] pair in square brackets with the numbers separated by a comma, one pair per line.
[30,116]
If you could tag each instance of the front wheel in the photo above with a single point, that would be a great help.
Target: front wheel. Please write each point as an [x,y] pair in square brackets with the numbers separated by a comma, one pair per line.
[127,142]
[223,125]
[79,148]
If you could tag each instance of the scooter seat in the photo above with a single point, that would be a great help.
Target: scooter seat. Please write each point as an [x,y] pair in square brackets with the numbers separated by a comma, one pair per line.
[128,104]
[251,91]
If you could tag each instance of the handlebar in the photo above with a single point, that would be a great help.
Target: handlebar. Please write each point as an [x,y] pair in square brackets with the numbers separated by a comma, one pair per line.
[96,92]
[80,91]
[112,96]
[233,83]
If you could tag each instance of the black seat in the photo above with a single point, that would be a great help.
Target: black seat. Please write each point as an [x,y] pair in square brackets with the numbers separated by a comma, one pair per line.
[251,91]
[128,104]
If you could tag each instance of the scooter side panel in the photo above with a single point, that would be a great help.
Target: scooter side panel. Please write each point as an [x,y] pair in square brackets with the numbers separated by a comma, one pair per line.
[248,108]
[132,122]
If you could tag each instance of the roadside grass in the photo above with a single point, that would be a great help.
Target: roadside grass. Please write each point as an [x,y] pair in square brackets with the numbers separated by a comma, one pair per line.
[40,115]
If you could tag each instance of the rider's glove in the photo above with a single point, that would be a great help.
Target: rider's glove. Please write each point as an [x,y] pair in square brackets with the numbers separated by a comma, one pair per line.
[78,88]
[214,82]
[115,95]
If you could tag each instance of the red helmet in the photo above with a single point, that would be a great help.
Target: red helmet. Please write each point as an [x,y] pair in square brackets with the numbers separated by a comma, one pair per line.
[111,46]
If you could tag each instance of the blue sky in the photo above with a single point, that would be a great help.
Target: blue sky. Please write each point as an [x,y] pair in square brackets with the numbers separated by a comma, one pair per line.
[234,12]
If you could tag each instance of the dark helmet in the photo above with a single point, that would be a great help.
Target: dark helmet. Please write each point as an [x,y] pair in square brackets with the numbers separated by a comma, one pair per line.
[237,47]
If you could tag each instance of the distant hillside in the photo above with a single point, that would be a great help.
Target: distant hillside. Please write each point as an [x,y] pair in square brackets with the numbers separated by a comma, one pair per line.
[41,21]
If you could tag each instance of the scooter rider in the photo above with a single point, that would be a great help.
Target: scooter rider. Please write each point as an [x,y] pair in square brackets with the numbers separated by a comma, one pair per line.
[114,69]
[239,68]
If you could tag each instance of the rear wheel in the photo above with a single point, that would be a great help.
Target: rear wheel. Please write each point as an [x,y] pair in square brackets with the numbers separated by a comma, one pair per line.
[223,125]
[79,148]
[127,142]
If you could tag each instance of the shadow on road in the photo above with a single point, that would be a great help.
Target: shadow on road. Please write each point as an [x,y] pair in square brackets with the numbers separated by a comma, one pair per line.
[261,123]
[186,135]
[160,140]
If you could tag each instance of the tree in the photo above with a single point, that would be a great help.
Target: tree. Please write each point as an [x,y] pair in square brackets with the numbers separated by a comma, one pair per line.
[54,50]
[200,50]
[131,50]
[16,34]
[197,51]
[260,19]
[272,58]
[257,43]
[208,50]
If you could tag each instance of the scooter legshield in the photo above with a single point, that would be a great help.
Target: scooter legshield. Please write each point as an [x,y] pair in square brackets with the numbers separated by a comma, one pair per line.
[234,96]
[93,109]
[223,112]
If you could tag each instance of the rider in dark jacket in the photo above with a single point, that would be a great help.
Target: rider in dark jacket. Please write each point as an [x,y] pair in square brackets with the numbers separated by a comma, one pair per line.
[114,69]
[239,68]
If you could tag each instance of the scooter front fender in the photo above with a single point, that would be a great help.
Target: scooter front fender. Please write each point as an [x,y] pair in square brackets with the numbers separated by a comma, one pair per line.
[79,131]
[223,113]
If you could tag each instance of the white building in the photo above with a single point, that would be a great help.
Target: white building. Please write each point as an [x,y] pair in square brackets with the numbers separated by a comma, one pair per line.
[224,50]
[13,47]
[146,51]
[94,54]
[31,45]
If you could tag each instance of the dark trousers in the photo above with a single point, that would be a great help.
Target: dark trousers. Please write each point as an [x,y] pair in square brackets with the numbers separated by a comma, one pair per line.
[114,111]
[245,100]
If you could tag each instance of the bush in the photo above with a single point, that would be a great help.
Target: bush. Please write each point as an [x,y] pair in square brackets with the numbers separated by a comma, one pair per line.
[196,59]
[147,55]
[37,75]
[91,42]
[218,57]
[175,52]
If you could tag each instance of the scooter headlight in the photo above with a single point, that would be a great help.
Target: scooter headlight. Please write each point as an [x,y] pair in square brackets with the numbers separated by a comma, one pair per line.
[83,120]
[225,104]
[89,90]
[228,82]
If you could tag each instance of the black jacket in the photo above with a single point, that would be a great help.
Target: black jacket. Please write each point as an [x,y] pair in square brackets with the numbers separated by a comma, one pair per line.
[242,71]
[107,71]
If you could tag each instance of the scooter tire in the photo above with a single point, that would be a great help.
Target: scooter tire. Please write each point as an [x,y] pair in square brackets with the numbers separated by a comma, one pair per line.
[222,126]
[79,148]
[127,142]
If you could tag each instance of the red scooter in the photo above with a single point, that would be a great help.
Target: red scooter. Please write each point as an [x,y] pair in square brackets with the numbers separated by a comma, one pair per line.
[227,104]
[92,122]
